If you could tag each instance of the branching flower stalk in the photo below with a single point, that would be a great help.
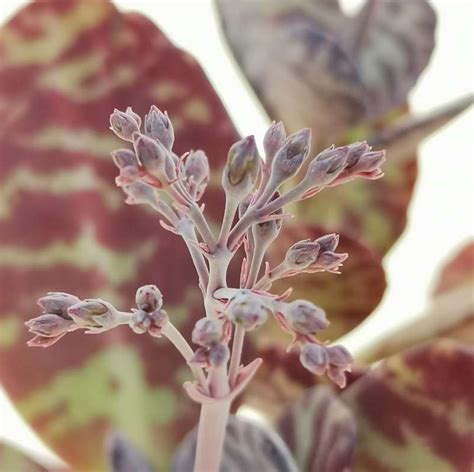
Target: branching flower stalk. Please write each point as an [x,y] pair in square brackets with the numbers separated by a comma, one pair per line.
[173,186]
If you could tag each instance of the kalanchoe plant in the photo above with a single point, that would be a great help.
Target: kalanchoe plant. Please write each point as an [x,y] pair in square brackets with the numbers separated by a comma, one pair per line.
[173,185]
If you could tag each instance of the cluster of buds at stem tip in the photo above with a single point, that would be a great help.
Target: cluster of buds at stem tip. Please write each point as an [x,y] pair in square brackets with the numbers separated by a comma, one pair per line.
[212,335]
[247,310]
[149,317]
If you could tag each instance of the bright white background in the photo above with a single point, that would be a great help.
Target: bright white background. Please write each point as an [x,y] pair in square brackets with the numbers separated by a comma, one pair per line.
[441,216]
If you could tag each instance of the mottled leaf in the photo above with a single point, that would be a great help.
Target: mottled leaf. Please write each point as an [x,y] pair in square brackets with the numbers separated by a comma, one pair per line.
[450,313]
[63,224]
[320,430]
[415,411]
[248,447]
[124,457]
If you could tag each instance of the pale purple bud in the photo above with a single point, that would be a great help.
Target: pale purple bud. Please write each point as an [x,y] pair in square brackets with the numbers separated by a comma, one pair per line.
[290,157]
[44,341]
[124,157]
[57,303]
[140,322]
[248,311]
[218,355]
[339,356]
[158,126]
[128,175]
[153,156]
[149,298]
[302,254]
[243,164]
[124,124]
[314,358]
[200,357]
[49,325]
[329,261]
[89,312]
[337,375]
[268,231]
[273,140]
[370,162]
[134,115]
[207,331]
[159,319]
[304,317]
[356,150]
[140,193]
[196,170]
[325,167]
[328,242]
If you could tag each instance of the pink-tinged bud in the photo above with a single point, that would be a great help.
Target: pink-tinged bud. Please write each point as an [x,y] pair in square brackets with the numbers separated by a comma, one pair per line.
[356,150]
[149,298]
[314,358]
[328,242]
[325,167]
[248,311]
[339,356]
[329,261]
[196,170]
[268,231]
[302,254]
[57,303]
[124,124]
[44,341]
[154,157]
[158,126]
[273,140]
[208,331]
[49,325]
[128,175]
[134,115]
[290,157]
[138,193]
[218,355]
[159,319]
[242,169]
[201,357]
[337,375]
[304,317]
[124,157]
[370,163]
[140,322]
[89,313]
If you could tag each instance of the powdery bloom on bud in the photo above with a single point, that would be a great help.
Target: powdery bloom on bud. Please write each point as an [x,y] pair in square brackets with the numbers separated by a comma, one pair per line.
[273,140]
[44,341]
[247,310]
[149,298]
[314,358]
[158,126]
[196,170]
[49,325]
[290,157]
[124,158]
[329,262]
[208,331]
[92,313]
[328,242]
[302,254]
[140,321]
[218,355]
[124,124]
[138,193]
[304,317]
[57,303]
[159,318]
[339,356]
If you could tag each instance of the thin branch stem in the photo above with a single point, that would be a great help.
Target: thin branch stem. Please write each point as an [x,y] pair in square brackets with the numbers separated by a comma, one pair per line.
[231,206]
[237,347]
[197,217]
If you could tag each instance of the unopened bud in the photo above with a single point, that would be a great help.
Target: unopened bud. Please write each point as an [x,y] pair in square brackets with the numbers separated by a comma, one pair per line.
[289,158]
[44,341]
[149,298]
[248,311]
[314,358]
[158,126]
[57,303]
[49,325]
[207,331]
[128,175]
[325,167]
[196,170]
[154,157]
[302,254]
[356,150]
[273,140]
[329,261]
[304,317]
[159,319]
[124,157]
[337,375]
[87,311]
[218,355]
[370,162]
[138,193]
[124,124]
[267,231]
[140,322]
[328,242]
[339,356]
[200,357]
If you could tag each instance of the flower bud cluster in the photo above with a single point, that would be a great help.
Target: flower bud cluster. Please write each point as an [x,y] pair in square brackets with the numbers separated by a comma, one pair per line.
[333,360]
[210,334]
[247,309]
[150,317]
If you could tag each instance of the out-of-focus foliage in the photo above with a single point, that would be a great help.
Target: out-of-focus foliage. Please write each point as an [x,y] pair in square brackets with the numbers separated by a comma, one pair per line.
[11,459]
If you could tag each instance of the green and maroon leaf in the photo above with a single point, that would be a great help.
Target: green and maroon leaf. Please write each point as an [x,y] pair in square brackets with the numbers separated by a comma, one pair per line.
[450,313]
[12,459]
[63,225]
[415,411]
[320,431]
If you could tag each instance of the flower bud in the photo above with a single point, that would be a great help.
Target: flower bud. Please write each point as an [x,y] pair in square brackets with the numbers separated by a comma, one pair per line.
[304,317]
[337,375]
[248,311]
[149,298]
[273,140]
[124,124]
[140,322]
[158,126]
[159,319]
[138,193]
[314,358]
[325,167]
[57,303]
[328,242]
[89,312]
[128,175]
[196,170]
[200,357]
[288,160]
[207,331]
[124,157]
[329,261]
[134,115]
[49,325]
[44,341]
[267,231]
[370,163]
[242,169]
[218,355]
[339,356]
[302,254]
[356,150]
[153,156]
